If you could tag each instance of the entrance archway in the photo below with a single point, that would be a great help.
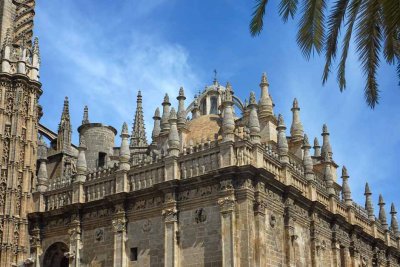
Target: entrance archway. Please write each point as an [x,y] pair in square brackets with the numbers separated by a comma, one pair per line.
[54,256]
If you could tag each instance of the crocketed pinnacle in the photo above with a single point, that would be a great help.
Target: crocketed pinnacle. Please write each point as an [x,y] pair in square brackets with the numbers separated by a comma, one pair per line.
[317,148]
[42,173]
[138,137]
[64,128]
[265,104]
[346,193]
[368,203]
[181,108]
[382,212]
[307,161]
[173,136]
[165,116]
[283,147]
[156,128]
[296,130]
[85,118]
[394,225]
[326,146]
[254,124]
[196,109]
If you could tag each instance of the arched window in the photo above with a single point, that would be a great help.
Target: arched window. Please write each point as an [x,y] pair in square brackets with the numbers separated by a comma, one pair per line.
[214,105]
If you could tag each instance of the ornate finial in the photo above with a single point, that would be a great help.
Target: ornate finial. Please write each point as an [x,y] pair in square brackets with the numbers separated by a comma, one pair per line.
[264,79]
[326,146]
[165,116]
[157,112]
[252,98]
[295,104]
[166,98]
[283,147]
[382,212]
[306,142]
[394,225]
[328,175]
[215,82]
[296,129]
[172,115]
[325,128]
[124,129]
[368,203]
[35,48]
[85,119]
[124,152]
[281,122]
[307,161]
[346,192]
[181,91]
[181,109]
[173,136]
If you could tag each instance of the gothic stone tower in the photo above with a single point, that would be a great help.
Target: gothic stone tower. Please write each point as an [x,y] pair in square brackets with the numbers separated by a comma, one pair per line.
[19,93]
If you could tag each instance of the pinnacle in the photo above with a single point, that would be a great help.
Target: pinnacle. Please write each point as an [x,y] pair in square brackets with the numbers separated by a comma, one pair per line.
[124,129]
[381,201]
[157,113]
[344,172]
[295,104]
[306,144]
[392,209]
[281,122]
[326,157]
[181,91]
[325,129]
[316,143]
[166,99]
[367,190]
[264,79]
[172,114]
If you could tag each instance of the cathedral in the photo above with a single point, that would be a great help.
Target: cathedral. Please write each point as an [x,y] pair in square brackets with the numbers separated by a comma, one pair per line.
[223,182]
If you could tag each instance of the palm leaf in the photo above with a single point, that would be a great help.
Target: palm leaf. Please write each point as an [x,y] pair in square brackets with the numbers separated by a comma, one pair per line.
[369,38]
[311,28]
[257,21]
[390,14]
[351,19]
[287,8]
[334,22]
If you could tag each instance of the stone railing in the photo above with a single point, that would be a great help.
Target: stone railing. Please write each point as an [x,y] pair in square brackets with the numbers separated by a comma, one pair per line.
[58,198]
[243,154]
[146,176]
[59,182]
[341,209]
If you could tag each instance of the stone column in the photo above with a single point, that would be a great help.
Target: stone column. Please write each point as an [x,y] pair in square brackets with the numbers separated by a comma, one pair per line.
[171,249]
[259,218]
[227,209]
[119,228]
[36,246]
[290,235]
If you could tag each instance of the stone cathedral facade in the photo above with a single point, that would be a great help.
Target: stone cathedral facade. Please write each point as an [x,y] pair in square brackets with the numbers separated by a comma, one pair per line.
[222,183]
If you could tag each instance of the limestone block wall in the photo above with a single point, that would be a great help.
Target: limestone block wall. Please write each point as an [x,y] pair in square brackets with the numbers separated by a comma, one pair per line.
[200,236]
[97,244]
[146,236]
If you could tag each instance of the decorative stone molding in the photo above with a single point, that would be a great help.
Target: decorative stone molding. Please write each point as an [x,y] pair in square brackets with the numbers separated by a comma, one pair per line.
[226,204]
[119,225]
[69,255]
[170,214]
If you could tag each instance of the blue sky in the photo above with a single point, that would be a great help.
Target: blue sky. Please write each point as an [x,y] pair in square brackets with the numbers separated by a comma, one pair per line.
[99,53]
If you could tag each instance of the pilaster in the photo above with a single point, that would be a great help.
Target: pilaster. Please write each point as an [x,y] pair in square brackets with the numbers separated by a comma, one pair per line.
[75,244]
[119,228]
[259,219]
[171,232]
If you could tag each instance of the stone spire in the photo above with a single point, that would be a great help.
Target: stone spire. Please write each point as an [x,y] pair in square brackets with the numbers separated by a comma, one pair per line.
[254,124]
[181,108]
[328,175]
[296,130]
[394,225]
[196,109]
[317,148]
[173,136]
[42,177]
[382,212]
[81,165]
[156,128]
[138,137]
[165,116]
[307,161]
[326,146]
[228,122]
[368,203]
[35,60]
[346,193]
[64,129]
[283,147]
[265,104]
[124,152]
[85,119]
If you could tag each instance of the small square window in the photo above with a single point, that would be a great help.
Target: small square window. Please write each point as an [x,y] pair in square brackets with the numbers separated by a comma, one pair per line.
[134,254]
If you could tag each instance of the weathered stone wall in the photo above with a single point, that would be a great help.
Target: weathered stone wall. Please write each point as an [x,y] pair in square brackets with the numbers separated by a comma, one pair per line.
[97,243]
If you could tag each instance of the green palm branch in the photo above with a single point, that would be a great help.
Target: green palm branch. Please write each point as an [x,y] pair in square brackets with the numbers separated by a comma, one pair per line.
[375,25]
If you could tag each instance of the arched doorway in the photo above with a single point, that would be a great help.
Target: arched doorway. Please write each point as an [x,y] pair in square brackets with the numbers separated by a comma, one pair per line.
[54,256]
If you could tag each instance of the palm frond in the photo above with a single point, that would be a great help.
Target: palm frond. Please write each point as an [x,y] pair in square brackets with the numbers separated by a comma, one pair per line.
[334,22]
[354,8]
[287,8]
[390,14]
[257,21]
[369,38]
[311,27]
